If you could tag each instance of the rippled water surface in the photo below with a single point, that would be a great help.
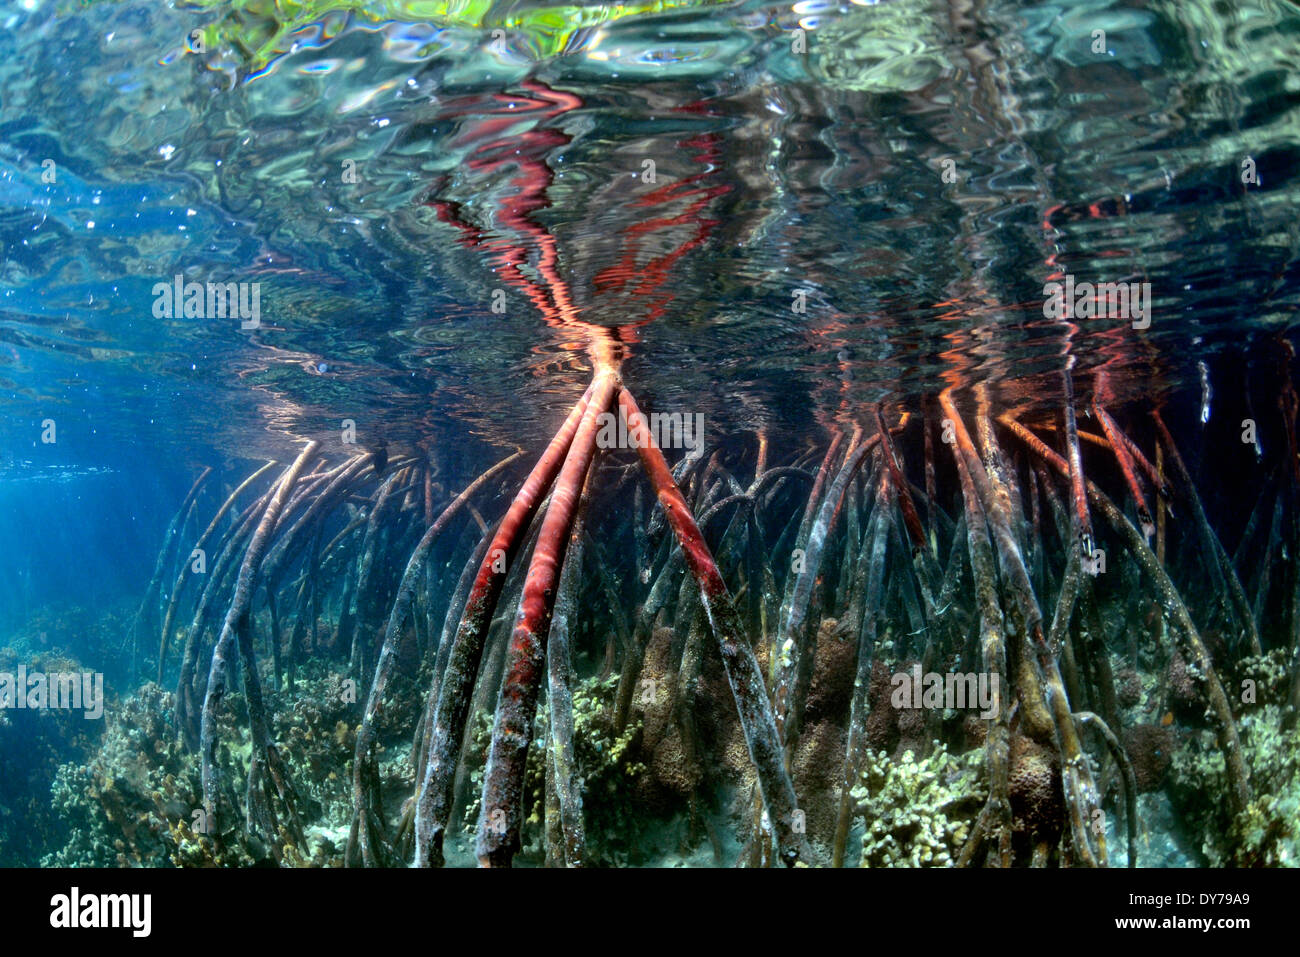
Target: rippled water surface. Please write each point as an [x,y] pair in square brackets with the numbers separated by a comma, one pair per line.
[439,202]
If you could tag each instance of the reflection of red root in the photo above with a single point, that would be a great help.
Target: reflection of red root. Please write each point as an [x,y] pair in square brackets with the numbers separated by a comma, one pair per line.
[523,244]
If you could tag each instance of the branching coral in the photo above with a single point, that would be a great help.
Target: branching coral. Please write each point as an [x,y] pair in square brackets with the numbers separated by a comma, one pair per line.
[918,813]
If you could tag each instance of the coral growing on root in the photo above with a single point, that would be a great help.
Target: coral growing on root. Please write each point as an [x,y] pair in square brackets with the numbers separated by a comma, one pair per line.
[1151,749]
[1037,804]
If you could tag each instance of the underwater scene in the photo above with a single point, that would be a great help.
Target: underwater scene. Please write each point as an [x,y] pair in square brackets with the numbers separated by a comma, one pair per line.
[672,433]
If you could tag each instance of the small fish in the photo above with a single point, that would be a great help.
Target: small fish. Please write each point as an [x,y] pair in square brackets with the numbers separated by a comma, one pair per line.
[1167,720]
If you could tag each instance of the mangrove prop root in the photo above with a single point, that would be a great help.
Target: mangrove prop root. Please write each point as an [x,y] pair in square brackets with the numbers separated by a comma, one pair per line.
[569,836]
[931,481]
[1130,778]
[1188,638]
[1162,509]
[1076,777]
[235,625]
[1078,497]
[146,617]
[188,567]
[1059,631]
[1218,556]
[501,811]
[878,539]
[363,803]
[336,482]
[437,779]
[364,603]
[810,510]
[267,774]
[923,560]
[902,490]
[995,819]
[743,672]
[187,709]
[1125,459]
[794,621]
[650,608]
[420,740]
[1152,471]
